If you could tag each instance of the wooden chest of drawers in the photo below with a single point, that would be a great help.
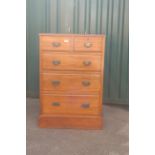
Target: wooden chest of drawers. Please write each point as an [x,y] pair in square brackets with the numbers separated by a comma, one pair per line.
[71,80]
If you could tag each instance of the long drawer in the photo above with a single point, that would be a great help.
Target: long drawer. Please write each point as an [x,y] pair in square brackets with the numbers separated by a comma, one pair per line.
[57,61]
[70,83]
[56,104]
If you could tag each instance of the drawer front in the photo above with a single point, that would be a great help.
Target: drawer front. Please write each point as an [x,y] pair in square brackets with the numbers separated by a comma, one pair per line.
[56,104]
[88,44]
[56,43]
[56,61]
[70,83]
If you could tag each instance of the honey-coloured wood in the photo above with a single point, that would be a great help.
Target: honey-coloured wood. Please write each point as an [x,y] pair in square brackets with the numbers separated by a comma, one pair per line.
[87,43]
[71,81]
[56,43]
[71,104]
[77,122]
[64,62]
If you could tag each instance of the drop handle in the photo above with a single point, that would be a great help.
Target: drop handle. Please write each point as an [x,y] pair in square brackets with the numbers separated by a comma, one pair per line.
[55,82]
[85,105]
[56,62]
[56,44]
[88,44]
[85,83]
[87,63]
[56,104]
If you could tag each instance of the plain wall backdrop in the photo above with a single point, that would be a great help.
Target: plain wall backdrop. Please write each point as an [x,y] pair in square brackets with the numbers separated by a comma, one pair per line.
[91,16]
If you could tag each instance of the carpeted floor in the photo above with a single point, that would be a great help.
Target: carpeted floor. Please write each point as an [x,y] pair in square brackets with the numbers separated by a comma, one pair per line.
[112,140]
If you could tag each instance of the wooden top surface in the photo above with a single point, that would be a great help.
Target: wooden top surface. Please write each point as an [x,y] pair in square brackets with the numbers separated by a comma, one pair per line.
[71,34]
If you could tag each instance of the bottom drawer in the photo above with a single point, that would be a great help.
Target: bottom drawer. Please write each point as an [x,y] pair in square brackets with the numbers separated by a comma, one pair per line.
[57,104]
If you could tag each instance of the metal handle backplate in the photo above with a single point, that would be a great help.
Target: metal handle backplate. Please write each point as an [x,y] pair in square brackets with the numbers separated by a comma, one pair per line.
[56,62]
[85,105]
[88,44]
[87,63]
[55,104]
[56,44]
[86,83]
[55,82]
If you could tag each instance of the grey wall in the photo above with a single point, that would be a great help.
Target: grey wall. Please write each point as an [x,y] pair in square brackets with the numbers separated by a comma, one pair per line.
[91,16]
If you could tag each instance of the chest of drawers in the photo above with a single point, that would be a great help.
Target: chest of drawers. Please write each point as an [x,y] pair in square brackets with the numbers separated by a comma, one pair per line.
[71,81]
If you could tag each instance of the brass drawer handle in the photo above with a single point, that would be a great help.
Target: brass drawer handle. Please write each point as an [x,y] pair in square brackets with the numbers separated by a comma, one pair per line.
[56,62]
[86,83]
[87,63]
[56,44]
[85,105]
[55,82]
[88,44]
[56,104]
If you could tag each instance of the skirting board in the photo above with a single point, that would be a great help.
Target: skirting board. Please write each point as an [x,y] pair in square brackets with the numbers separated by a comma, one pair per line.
[92,122]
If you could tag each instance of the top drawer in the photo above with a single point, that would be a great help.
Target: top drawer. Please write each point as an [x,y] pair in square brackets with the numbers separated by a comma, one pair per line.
[56,43]
[87,43]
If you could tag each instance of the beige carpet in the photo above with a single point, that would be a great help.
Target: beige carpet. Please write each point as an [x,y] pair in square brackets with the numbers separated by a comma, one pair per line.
[112,140]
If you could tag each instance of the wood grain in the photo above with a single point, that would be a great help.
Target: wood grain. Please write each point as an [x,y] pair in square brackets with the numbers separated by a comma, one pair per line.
[96,43]
[66,43]
[77,122]
[74,105]
[71,82]
[70,62]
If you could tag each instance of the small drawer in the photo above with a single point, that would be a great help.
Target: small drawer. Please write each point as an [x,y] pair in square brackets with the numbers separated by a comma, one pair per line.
[74,105]
[57,61]
[87,43]
[56,43]
[71,83]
